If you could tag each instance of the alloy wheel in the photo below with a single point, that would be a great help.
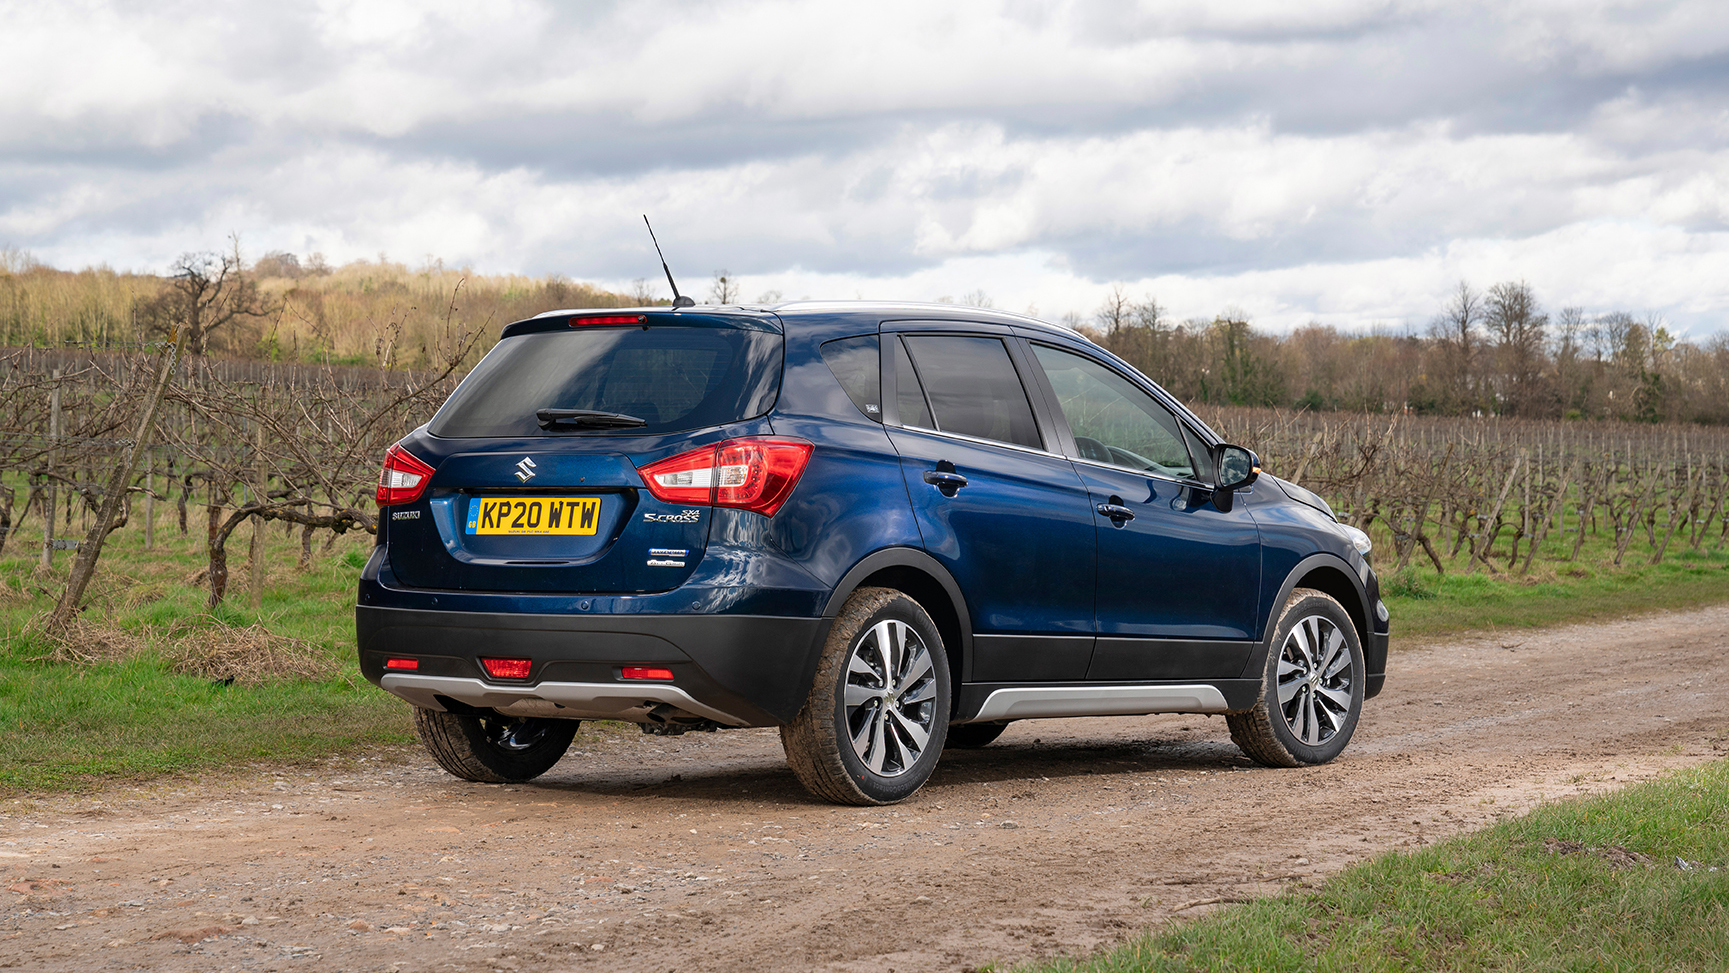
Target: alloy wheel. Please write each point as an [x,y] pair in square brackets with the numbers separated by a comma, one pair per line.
[890,698]
[1315,680]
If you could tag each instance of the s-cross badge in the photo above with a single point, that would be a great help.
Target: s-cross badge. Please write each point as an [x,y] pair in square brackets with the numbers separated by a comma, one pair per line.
[525,470]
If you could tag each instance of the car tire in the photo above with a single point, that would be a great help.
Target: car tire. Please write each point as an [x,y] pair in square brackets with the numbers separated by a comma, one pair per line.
[877,716]
[971,736]
[493,749]
[1312,686]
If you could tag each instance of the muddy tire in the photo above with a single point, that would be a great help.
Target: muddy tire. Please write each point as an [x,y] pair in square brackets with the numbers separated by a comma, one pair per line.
[878,711]
[971,736]
[493,749]
[1312,688]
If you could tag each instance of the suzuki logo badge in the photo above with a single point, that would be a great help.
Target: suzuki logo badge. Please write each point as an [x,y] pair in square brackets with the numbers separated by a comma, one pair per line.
[525,470]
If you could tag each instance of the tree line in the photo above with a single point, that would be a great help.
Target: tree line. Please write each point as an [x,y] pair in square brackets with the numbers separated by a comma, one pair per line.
[1491,352]
[1494,352]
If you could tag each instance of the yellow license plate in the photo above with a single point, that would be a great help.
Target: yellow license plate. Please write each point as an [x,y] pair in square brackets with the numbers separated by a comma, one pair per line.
[533,515]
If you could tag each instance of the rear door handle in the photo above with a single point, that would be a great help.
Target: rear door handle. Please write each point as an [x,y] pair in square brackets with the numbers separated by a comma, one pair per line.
[1118,513]
[948,482]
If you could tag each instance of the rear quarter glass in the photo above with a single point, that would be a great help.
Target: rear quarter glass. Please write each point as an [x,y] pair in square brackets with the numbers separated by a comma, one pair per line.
[855,365]
[674,378]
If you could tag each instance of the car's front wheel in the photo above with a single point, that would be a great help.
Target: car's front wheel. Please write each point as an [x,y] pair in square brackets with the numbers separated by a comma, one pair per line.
[493,749]
[874,725]
[1312,690]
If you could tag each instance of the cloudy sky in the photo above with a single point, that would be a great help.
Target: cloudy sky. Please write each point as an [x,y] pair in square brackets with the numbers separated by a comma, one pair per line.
[1345,161]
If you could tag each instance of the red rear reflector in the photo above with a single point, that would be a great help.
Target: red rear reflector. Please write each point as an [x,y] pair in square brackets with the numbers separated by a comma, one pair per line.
[403,478]
[402,663]
[751,474]
[600,319]
[644,672]
[507,668]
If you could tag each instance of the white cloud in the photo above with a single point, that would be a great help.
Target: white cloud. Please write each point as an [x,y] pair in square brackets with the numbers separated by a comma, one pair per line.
[1346,160]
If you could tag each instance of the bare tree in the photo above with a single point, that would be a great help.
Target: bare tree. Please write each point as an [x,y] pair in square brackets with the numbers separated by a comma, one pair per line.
[1456,340]
[1519,329]
[977,298]
[1117,312]
[724,289]
[205,293]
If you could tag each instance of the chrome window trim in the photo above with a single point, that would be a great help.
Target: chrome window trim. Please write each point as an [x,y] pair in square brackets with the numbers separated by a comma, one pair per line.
[963,437]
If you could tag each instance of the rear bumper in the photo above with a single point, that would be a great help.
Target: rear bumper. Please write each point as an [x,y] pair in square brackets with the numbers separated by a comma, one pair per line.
[738,670]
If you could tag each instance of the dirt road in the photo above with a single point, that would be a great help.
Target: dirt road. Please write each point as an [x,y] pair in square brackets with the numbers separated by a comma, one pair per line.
[702,853]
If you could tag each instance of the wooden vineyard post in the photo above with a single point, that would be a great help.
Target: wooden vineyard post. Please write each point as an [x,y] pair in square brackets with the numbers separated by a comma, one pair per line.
[1703,527]
[84,567]
[1679,509]
[50,495]
[255,554]
[1633,516]
[150,503]
[1481,552]
[1548,517]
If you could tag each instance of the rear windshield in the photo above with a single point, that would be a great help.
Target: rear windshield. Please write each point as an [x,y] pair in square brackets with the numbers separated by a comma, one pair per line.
[675,378]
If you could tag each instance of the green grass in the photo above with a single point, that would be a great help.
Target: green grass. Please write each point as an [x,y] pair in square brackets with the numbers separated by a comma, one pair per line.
[1498,899]
[1423,606]
[65,726]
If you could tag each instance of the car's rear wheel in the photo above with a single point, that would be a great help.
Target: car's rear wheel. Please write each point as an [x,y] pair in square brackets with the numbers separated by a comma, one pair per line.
[874,725]
[1312,690]
[493,749]
[971,736]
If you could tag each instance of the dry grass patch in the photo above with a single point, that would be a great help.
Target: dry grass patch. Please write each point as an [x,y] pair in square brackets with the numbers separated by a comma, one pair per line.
[203,646]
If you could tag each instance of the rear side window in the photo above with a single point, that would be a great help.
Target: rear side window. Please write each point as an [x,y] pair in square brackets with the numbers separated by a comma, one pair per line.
[973,388]
[855,365]
[675,378]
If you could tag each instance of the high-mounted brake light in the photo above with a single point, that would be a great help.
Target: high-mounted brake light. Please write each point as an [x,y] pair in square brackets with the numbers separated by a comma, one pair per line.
[750,474]
[645,672]
[403,478]
[596,320]
[508,668]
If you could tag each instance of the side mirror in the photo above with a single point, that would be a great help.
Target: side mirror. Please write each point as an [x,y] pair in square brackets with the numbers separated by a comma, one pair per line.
[1235,468]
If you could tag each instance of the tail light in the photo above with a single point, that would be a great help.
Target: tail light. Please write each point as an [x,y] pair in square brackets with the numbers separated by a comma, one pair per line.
[403,478]
[685,478]
[750,474]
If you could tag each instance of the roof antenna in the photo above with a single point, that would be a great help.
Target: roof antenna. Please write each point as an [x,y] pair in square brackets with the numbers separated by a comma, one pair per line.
[678,300]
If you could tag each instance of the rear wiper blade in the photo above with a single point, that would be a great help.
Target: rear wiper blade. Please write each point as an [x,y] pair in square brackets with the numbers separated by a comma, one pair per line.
[587,418]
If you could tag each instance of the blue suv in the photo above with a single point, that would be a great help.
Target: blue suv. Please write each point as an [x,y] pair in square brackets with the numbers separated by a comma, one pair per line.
[886,529]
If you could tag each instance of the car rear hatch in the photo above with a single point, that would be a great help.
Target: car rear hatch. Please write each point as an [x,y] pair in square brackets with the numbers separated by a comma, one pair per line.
[536,455]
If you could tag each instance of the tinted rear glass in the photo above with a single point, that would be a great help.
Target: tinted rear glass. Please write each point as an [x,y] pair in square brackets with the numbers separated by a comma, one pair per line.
[676,378]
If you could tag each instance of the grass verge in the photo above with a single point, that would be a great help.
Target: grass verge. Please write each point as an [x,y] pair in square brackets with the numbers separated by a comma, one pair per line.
[1424,606]
[1584,884]
[154,708]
